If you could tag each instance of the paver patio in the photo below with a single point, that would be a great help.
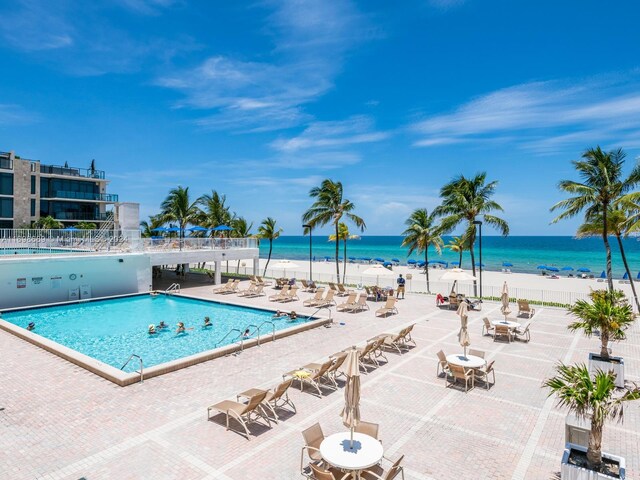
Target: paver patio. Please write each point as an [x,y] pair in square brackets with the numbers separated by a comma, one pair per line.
[61,422]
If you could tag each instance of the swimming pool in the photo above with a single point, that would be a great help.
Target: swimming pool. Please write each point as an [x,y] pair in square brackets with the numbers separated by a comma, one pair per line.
[33,251]
[111,330]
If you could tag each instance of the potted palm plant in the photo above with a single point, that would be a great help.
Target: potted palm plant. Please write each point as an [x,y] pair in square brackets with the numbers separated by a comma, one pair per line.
[595,399]
[608,315]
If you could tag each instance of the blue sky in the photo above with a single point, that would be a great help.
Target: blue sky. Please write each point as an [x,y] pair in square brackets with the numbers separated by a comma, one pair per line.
[262,100]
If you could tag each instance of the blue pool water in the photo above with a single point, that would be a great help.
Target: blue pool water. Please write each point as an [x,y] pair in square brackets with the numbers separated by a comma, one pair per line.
[32,251]
[111,330]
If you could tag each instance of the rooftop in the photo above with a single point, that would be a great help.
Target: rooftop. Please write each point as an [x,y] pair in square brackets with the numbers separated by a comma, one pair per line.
[61,422]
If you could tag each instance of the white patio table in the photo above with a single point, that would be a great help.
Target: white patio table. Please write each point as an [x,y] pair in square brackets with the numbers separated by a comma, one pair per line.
[508,323]
[470,361]
[366,452]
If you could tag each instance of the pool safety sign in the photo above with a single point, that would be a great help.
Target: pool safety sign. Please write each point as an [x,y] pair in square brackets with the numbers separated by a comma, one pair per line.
[21,283]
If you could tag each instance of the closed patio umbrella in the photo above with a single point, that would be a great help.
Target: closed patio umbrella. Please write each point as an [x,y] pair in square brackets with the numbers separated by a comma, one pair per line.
[504,298]
[463,335]
[351,411]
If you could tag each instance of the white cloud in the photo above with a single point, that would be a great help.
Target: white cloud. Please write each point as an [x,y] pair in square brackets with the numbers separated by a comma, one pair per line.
[542,116]
[12,115]
[35,26]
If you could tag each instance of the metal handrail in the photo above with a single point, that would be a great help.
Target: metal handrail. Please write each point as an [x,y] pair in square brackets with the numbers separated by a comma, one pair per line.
[229,333]
[141,372]
[324,307]
[273,330]
[174,287]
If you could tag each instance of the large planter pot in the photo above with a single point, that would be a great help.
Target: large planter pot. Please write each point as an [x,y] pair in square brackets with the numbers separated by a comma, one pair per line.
[577,430]
[574,472]
[596,362]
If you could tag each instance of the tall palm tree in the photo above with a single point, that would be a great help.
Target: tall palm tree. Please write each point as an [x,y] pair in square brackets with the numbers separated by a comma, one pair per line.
[241,229]
[592,398]
[48,223]
[463,200]
[458,245]
[343,235]
[215,210]
[269,231]
[422,233]
[86,226]
[178,207]
[618,222]
[331,207]
[148,226]
[602,185]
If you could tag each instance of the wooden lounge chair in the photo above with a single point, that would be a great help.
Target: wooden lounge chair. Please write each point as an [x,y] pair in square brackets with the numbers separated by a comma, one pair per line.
[484,372]
[486,326]
[315,376]
[342,291]
[349,304]
[502,331]
[523,332]
[313,437]
[290,296]
[310,302]
[257,292]
[244,413]
[378,473]
[389,307]
[525,309]
[458,372]
[280,295]
[443,366]
[360,305]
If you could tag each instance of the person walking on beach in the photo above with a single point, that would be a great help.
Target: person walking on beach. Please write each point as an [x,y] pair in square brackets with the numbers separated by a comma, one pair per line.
[400,289]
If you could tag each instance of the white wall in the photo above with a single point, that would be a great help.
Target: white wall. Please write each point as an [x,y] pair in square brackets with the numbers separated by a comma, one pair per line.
[48,280]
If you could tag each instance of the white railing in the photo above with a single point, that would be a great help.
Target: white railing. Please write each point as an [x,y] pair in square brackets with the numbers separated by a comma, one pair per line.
[198,243]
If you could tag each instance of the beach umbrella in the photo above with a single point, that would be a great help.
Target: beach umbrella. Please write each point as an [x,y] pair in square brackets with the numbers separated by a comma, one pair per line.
[411,261]
[507,264]
[504,298]
[351,411]
[625,276]
[352,259]
[584,270]
[463,334]
[387,264]
[159,229]
[553,269]
[379,271]
[457,274]
[568,269]
[479,264]
[366,259]
[172,229]
[457,264]
[284,265]
[395,260]
[638,277]
[603,275]
[198,228]
[378,259]
[541,267]
[221,228]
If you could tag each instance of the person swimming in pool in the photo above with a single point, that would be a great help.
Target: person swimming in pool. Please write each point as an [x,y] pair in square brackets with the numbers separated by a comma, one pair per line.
[162,325]
[207,322]
[279,314]
[152,329]
[181,328]
[246,333]
[31,326]
[293,316]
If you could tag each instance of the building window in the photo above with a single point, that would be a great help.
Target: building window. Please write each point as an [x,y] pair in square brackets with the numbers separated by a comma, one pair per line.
[6,207]
[33,206]
[6,184]
[33,184]
[6,224]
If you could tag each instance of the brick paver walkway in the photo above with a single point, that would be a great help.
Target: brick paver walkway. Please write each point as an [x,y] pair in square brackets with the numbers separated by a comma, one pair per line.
[62,422]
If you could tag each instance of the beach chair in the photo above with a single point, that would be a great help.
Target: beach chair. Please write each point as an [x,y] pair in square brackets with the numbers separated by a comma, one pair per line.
[371,294]
[523,332]
[453,302]
[389,307]
[484,372]
[308,287]
[320,473]
[327,300]
[487,328]
[458,372]
[291,295]
[377,472]
[342,291]
[311,302]
[361,304]
[368,428]
[257,292]
[351,301]
[244,413]
[261,281]
[315,375]
[477,353]
[280,295]
[443,366]
[228,287]
[334,370]
[502,331]
[313,437]
[364,355]
[247,291]
[279,398]
[525,309]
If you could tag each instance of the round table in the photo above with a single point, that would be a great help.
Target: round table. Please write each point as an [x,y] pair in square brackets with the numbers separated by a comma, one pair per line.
[470,361]
[506,323]
[367,451]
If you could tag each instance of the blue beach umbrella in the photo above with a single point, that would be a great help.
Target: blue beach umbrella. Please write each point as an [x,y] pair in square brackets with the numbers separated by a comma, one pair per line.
[378,259]
[638,277]
[584,270]
[603,275]
[541,267]
[159,229]
[353,259]
[411,261]
[366,259]
[221,228]
[72,229]
[198,228]
[507,264]
[625,276]
[553,269]
[395,260]
[567,268]
[387,264]
[173,229]
[479,264]
[458,263]
[326,259]
[421,264]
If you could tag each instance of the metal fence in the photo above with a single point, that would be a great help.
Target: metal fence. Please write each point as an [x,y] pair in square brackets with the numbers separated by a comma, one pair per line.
[165,243]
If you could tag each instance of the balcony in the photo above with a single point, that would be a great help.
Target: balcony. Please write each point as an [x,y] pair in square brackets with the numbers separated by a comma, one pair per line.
[72,171]
[98,197]
[81,216]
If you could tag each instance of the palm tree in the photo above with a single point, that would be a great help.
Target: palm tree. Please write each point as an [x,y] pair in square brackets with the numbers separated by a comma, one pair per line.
[344,235]
[602,185]
[421,233]
[618,222]
[458,245]
[608,313]
[463,200]
[86,225]
[148,226]
[178,207]
[593,399]
[48,223]
[215,210]
[330,207]
[268,231]
[241,229]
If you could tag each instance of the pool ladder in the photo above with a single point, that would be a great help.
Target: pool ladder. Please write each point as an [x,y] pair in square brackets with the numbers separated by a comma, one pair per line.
[256,329]
[141,371]
[324,307]
[173,288]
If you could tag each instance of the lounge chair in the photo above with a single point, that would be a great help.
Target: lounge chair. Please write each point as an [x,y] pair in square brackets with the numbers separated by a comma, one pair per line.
[227,287]
[327,300]
[378,473]
[502,331]
[257,292]
[342,292]
[349,304]
[458,372]
[371,294]
[442,364]
[320,473]
[477,353]
[399,340]
[368,355]
[280,295]
[332,286]
[290,296]
[333,372]
[313,437]
[279,398]
[310,302]
[261,281]
[244,413]
[389,307]
[314,377]
[453,302]
[525,309]
[233,287]
[361,304]
[523,332]
[307,287]
[486,326]
[484,372]
[249,290]
[368,428]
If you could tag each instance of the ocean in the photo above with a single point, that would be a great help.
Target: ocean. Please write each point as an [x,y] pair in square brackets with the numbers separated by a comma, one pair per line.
[526,253]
